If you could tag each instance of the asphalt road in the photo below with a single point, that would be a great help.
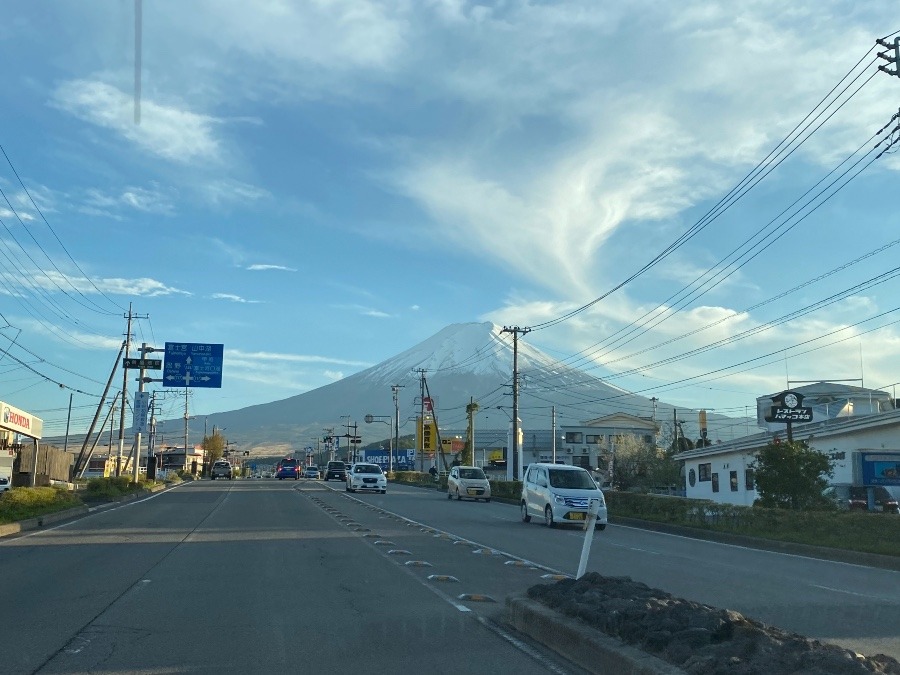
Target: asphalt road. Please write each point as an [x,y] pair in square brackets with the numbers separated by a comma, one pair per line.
[851,605]
[271,576]
[248,577]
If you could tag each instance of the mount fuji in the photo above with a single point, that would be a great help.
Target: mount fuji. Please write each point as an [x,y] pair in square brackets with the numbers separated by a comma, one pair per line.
[461,362]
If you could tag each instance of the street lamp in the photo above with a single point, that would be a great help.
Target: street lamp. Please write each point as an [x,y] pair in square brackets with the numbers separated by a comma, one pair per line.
[390,422]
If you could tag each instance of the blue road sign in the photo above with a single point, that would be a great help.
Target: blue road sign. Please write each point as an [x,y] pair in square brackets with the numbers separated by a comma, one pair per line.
[189,364]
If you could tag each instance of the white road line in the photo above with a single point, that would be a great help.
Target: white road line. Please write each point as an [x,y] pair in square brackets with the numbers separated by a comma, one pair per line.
[842,590]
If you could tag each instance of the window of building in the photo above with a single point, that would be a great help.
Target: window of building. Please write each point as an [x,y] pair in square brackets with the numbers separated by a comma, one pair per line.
[582,461]
[749,480]
[593,439]
[704,471]
[648,438]
[574,437]
[715,482]
[733,481]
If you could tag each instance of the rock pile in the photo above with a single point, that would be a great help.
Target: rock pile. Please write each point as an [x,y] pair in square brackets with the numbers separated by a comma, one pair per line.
[698,638]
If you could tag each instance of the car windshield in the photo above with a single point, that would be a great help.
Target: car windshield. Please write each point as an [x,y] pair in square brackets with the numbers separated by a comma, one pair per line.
[336,465]
[367,468]
[573,480]
[288,463]
[472,474]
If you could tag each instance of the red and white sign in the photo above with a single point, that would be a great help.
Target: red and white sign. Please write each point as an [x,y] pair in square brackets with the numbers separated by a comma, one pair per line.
[20,421]
[428,404]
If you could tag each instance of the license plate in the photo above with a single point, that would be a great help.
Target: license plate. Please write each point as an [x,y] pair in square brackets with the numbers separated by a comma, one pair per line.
[473,491]
[576,516]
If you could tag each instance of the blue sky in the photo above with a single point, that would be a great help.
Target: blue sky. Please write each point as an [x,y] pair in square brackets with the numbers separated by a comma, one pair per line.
[321,185]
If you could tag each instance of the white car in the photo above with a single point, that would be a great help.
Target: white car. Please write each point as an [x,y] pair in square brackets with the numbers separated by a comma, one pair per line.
[560,494]
[5,483]
[366,477]
[468,481]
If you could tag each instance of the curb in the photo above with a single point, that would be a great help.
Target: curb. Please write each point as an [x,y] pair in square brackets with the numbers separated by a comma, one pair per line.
[41,521]
[592,650]
[48,519]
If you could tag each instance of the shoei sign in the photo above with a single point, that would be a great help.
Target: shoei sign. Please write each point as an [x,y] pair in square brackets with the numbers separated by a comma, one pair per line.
[21,422]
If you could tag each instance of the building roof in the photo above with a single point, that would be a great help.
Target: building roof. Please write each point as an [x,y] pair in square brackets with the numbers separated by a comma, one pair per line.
[823,429]
[834,390]
[620,419]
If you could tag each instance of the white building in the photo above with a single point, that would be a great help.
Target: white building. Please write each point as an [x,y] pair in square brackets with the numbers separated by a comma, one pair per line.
[860,433]
[592,444]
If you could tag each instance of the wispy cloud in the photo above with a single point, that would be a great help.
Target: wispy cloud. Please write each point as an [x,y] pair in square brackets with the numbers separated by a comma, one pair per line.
[232,192]
[165,130]
[144,286]
[291,358]
[233,298]
[154,200]
[363,311]
[333,374]
[263,267]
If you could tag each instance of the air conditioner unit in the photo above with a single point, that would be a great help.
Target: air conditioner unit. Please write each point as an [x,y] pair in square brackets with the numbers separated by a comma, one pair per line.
[569,450]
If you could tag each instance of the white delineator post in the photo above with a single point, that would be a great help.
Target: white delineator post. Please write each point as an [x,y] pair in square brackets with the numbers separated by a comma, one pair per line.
[589,525]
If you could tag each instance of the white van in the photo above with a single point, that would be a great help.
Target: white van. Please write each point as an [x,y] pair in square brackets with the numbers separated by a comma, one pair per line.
[560,494]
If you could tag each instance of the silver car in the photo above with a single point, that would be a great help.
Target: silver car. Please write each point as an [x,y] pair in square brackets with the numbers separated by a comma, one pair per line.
[560,494]
[468,481]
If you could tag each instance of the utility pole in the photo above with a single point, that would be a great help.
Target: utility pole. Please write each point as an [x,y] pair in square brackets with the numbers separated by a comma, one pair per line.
[553,434]
[517,452]
[471,409]
[128,316]
[395,390]
[420,440]
[895,59]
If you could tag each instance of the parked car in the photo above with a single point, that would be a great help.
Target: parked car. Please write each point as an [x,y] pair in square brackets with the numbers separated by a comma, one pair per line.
[311,472]
[364,476]
[884,500]
[336,470]
[5,483]
[560,495]
[221,468]
[287,468]
[468,481]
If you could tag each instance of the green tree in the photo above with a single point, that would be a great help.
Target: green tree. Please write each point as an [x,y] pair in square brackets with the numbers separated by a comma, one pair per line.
[791,476]
[213,448]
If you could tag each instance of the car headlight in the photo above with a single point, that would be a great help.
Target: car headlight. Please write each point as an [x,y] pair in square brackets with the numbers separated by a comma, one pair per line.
[559,500]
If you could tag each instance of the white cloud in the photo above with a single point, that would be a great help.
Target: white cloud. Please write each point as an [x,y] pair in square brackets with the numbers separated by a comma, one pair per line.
[146,287]
[259,357]
[263,267]
[229,191]
[155,200]
[333,374]
[165,130]
[233,298]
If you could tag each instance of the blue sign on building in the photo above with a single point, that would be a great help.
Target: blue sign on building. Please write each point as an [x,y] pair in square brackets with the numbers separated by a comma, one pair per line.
[880,468]
[189,364]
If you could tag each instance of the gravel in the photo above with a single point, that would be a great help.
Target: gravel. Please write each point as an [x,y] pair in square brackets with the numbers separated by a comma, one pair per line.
[698,638]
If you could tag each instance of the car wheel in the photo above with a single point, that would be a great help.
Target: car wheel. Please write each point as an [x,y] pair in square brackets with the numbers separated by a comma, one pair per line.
[384,492]
[458,498]
[346,488]
[449,494]
[548,517]
[525,517]
[600,526]
[487,500]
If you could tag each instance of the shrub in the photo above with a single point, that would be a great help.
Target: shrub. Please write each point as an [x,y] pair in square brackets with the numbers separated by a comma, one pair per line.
[29,502]
[113,486]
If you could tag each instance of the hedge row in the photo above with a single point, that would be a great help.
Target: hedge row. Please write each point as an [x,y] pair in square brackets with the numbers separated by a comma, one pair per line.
[864,532]
[854,531]
[21,503]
